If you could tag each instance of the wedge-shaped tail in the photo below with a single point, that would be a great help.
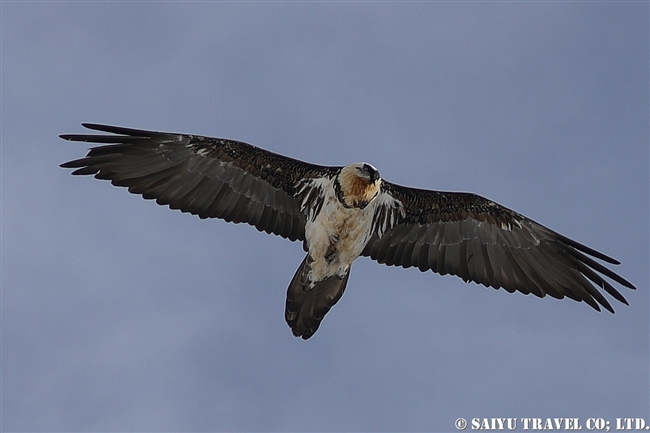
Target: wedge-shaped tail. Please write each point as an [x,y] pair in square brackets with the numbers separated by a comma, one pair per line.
[307,305]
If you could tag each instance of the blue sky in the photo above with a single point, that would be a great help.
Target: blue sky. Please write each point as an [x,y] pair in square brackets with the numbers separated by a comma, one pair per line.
[118,314]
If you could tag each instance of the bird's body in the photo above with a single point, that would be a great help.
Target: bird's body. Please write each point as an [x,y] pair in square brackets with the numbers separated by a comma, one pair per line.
[341,213]
[334,238]
[340,231]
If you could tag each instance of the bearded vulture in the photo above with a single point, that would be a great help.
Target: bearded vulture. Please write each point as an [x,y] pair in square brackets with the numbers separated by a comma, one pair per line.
[341,213]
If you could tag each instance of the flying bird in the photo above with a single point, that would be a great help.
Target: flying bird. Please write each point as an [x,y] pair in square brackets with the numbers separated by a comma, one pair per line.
[341,213]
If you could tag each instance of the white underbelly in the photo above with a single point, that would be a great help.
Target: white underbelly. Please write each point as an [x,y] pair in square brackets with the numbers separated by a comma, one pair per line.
[336,238]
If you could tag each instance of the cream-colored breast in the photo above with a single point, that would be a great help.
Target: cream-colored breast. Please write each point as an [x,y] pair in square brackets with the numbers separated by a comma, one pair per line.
[337,237]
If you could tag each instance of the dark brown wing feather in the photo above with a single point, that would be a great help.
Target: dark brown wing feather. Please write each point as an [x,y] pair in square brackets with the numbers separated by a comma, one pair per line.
[208,177]
[478,240]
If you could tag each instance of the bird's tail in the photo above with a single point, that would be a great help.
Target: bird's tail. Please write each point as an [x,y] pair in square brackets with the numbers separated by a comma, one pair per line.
[306,306]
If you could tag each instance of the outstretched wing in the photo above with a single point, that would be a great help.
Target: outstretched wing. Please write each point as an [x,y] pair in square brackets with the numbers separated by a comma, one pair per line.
[478,240]
[208,177]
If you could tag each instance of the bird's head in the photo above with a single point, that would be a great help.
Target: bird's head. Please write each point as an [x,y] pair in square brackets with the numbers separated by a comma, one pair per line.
[360,183]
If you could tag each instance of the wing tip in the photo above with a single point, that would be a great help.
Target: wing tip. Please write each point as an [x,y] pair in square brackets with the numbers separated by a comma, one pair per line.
[587,250]
[102,127]
[69,164]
